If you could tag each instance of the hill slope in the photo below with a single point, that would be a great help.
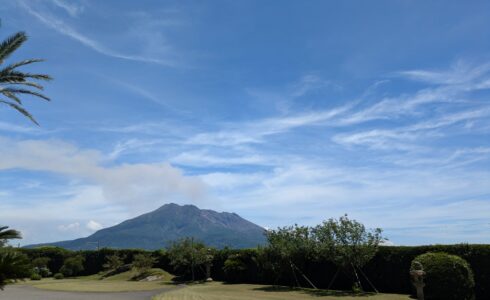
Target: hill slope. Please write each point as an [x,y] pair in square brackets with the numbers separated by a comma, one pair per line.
[157,229]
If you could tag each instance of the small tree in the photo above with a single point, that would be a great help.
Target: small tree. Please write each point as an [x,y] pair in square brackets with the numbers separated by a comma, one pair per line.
[73,266]
[113,262]
[294,246]
[347,244]
[186,256]
[143,262]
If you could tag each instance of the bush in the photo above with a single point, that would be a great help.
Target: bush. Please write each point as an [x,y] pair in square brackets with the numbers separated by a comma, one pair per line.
[35,276]
[43,271]
[13,265]
[143,262]
[448,277]
[58,276]
[234,268]
[72,266]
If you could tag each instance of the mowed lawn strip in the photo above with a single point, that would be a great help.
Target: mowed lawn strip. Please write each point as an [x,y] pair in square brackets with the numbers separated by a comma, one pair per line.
[220,291]
[94,283]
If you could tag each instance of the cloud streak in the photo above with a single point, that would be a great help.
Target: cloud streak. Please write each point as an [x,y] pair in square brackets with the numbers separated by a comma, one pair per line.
[61,27]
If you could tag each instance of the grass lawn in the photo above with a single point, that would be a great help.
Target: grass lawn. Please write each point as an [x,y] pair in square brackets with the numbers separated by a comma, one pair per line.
[95,283]
[220,291]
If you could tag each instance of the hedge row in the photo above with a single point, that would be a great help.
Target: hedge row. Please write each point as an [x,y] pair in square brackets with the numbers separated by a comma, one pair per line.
[388,271]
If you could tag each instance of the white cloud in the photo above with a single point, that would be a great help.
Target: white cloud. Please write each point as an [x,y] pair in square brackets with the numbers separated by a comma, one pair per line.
[70,227]
[460,73]
[94,226]
[130,184]
[255,131]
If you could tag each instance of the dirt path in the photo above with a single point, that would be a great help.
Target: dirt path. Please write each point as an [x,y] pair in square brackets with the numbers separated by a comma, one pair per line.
[24,292]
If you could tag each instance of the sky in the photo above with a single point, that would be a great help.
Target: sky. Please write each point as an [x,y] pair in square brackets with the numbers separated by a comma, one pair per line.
[281,111]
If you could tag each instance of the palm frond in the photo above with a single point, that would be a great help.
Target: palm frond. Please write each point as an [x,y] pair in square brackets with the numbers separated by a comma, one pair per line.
[21,110]
[13,76]
[31,84]
[22,63]
[9,45]
[7,234]
[10,95]
[24,91]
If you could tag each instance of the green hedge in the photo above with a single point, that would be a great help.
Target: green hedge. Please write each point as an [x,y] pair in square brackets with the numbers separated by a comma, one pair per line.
[388,270]
[448,277]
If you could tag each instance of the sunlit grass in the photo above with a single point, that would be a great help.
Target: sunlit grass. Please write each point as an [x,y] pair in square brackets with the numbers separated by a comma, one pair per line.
[220,291]
[95,283]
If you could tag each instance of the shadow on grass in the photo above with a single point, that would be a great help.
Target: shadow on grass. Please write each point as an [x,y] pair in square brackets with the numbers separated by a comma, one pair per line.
[312,292]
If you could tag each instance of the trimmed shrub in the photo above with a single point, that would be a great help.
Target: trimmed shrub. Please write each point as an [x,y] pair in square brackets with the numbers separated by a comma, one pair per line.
[448,277]
[58,276]
[35,276]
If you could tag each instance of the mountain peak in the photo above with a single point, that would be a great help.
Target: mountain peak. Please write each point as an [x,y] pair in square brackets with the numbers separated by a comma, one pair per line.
[158,228]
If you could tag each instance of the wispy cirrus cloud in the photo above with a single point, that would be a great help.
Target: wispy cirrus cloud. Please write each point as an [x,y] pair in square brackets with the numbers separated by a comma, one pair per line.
[55,23]
[460,73]
[72,8]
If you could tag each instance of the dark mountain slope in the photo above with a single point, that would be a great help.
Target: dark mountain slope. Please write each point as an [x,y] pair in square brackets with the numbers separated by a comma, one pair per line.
[157,229]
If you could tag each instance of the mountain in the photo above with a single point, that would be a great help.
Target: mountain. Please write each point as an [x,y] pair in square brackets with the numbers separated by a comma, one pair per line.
[157,229]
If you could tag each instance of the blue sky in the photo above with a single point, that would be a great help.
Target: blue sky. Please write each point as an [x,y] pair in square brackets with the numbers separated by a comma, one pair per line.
[281,111]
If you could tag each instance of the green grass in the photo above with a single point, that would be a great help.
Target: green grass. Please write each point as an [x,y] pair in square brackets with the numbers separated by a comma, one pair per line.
[220,291]
[122,282]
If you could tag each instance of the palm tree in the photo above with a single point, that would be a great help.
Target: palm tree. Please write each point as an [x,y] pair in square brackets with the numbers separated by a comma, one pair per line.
[14,82]
[8,234]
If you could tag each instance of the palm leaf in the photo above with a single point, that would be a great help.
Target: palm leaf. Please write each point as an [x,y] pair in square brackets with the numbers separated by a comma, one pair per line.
[22,63]
[24,91]
[11,96]
[29,83]
[7,234]
[13,76]
[21,110]
[11,44]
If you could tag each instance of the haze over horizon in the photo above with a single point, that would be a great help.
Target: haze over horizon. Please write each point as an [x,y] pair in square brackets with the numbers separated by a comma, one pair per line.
[282,112]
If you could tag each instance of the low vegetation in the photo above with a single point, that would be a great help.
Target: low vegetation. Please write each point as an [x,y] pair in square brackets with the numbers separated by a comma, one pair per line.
[338,254]
[219,291]
[126,281]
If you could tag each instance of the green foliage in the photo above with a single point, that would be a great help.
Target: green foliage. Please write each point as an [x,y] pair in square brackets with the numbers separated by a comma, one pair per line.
[40,262]
[388,270]
[55,255]
[58,276]
[43,271]
[448,277]
[73,266]
[113,262]
[8,234]
[13,264]
[41,266]
[35,276]
[186,256]
[346,242]
[15,82]
[289,248]
[235,268]
[143,262]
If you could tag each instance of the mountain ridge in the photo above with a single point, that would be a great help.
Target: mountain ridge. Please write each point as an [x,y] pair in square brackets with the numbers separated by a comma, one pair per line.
[159,228]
